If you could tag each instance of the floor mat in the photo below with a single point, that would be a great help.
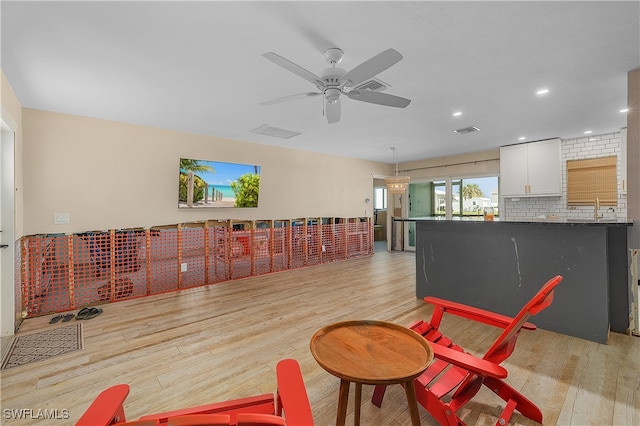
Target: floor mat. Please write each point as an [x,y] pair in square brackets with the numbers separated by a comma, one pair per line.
[33,347]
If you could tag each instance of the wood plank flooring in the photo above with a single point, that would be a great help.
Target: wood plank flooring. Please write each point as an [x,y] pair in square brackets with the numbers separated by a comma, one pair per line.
[222,341]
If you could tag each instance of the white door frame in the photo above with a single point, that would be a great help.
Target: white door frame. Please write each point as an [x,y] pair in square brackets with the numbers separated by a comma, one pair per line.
[7,226]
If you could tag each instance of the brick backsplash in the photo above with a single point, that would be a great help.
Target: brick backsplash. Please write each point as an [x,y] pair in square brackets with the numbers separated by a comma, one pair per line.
[572,149]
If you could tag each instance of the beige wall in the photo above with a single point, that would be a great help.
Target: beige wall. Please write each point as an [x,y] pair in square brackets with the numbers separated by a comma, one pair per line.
[472,164]
[110,175]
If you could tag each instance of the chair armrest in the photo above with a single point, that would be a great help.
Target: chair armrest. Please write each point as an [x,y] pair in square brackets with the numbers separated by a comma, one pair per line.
[469,362]
[292,394]
[252,404]
[107,408]
[253,419]
[476,314]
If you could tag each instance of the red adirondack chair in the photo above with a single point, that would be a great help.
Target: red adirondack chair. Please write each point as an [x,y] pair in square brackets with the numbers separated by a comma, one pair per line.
[290,405]
[458,375]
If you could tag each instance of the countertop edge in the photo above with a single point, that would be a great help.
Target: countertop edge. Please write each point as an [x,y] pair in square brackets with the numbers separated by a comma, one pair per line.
[562,222]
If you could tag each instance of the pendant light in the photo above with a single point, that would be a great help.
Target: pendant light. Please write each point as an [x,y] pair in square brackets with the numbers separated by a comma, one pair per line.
[396,184]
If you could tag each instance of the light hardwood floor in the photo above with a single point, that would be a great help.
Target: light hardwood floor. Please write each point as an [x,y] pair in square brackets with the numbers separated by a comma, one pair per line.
[222,341]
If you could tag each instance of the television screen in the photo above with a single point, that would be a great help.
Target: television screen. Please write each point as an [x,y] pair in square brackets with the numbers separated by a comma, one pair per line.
[205,184]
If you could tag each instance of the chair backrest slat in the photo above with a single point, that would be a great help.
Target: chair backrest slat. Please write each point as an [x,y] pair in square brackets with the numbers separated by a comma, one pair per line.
[505,343]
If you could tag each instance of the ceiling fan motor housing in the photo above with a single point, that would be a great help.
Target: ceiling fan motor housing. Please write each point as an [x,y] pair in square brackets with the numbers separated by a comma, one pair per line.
[331,76]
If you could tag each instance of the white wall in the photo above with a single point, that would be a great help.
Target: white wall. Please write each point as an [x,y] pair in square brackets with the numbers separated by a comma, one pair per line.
[109,175]
[593,146]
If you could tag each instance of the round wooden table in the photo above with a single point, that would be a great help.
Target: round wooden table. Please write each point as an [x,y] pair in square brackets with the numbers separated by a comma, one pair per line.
[371,353]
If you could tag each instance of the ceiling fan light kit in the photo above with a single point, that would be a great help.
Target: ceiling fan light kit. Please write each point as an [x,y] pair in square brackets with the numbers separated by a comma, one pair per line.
[334,82]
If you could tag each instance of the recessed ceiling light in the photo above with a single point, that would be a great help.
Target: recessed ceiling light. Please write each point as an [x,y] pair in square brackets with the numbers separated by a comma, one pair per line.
[542,92]
[457,113]
[624,110]
[521,138]
[588,132]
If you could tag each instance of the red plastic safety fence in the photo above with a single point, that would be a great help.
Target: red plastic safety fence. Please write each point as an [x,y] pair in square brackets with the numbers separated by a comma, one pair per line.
[218,254]
[279,247]
[64,272]
[192,260]
[164,266]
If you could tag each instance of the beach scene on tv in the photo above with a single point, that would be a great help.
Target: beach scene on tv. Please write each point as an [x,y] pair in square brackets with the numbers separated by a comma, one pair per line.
[206,183]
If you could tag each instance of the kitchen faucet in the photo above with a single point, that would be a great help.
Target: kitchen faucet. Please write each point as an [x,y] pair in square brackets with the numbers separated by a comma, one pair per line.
[596,207]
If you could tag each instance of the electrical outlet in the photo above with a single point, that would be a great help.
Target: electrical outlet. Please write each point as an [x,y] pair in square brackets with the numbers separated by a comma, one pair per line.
[60,218]
[183,267]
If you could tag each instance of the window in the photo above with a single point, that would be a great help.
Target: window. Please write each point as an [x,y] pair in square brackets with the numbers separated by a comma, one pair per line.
[380,198]
[591,179]
[469,196]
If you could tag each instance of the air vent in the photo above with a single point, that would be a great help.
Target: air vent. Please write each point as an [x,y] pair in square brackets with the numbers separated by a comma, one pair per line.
[372,84]
[466,130]
[275,132]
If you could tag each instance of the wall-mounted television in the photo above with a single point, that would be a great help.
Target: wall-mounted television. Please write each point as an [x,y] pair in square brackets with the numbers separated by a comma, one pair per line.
[211,184]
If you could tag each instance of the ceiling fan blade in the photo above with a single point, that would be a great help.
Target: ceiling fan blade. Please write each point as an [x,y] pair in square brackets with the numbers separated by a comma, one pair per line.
[290,98]
[294,68]
[371,68]
[379,98]
[333,109]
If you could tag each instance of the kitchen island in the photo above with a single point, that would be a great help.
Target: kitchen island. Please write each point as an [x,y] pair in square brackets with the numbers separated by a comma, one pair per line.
[500,265]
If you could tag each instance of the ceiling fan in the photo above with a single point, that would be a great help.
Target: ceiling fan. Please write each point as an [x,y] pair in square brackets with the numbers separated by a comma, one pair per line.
[334,82]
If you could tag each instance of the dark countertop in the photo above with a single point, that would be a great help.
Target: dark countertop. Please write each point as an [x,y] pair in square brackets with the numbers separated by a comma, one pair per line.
[541,221]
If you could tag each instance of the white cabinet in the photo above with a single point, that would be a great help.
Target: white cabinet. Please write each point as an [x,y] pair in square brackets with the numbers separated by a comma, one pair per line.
[531,169]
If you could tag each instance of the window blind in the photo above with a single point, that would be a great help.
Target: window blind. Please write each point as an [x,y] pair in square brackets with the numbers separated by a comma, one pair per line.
[590,179]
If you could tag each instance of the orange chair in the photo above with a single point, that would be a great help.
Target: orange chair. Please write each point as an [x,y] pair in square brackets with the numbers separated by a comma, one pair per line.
[456,376]
[289,404]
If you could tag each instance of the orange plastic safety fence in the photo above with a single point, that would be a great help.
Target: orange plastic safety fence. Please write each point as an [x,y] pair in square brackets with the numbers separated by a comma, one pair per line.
[163,257]
[219,254]
[64,272]
[192,259]
[280,248]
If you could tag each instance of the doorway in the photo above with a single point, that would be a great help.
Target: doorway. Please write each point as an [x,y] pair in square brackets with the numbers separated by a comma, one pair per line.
[421,205]
[8,320]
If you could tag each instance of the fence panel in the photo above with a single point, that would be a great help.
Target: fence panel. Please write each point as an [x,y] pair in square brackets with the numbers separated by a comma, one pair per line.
[64,272]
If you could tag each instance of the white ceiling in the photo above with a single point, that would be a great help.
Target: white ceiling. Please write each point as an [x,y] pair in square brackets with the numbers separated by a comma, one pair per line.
[197,67]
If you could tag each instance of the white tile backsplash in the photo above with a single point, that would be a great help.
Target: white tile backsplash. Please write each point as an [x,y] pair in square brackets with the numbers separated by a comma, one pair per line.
[572,149]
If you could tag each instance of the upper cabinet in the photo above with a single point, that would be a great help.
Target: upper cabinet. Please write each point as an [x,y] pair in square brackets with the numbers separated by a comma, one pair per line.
[531,169]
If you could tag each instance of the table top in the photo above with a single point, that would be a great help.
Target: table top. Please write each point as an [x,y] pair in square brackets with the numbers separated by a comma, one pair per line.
[371,352]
